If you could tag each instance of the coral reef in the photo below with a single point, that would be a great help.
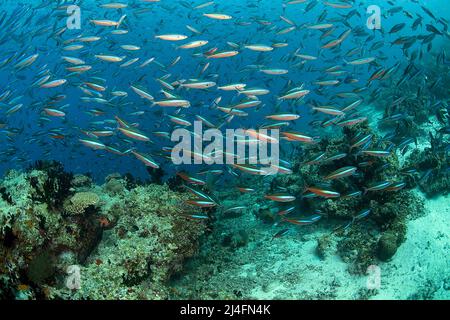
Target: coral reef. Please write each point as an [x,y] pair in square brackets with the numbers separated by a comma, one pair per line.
[433,163]
[376,236]
[126,242]
[420,114]
[326,245]
[53,187]
[81,181]
[33,233]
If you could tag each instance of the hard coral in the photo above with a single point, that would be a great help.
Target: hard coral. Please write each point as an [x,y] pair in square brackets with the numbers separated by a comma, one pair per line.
[80,202]
[149,235]
[80,181]
[435,162]
[387,245]
[31,229]
[147,245]
[115,184]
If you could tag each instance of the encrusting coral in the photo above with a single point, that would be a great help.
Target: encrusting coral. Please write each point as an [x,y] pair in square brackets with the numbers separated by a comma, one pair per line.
[126,242]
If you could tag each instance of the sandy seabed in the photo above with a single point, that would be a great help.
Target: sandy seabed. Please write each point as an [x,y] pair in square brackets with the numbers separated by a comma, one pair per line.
[420,268]
[290,268]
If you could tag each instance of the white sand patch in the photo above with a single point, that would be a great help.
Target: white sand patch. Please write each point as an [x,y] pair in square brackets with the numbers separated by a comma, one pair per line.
[420,268]
[298,273]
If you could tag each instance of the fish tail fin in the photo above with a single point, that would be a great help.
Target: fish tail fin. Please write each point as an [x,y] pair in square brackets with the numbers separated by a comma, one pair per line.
[120,21]
[305,188]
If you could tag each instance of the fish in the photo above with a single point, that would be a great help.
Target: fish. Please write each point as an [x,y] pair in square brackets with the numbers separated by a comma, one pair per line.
[280,197]
[235,209]
[93,144]
[171,37]
[201,203]
[361,61]
[143,94]
[109,58]
[281,233]
[54,112]
[194,44]
[362,214]
[283,117]
[378,186]
[53,83]
[223,54]
[376,153]
[199,84]
[134,133]
[294,94]
[26,62]
[191,180]
[173,103]
[352,122]
[341,173]
[305,221]
[146,159]
[259,47]
[321,192]
[296,136]
[329,110]
[218,16]
[361,140]
[246,190]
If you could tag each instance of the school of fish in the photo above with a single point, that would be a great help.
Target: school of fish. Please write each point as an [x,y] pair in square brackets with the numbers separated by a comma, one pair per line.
[136,70]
